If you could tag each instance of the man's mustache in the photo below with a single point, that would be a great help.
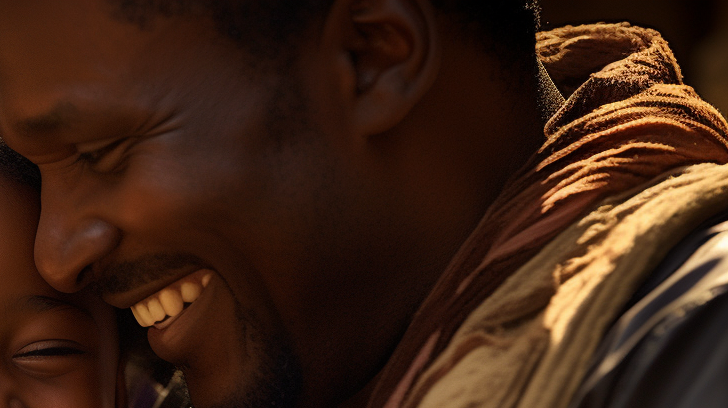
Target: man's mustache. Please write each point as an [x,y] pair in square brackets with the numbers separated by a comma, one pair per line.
[124,276]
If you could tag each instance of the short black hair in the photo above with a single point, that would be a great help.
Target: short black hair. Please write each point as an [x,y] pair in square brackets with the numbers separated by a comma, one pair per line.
[505,25]
[267,27]
[18,168]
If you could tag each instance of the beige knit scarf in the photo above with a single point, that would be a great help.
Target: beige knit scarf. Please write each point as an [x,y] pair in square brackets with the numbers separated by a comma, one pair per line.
[518,313]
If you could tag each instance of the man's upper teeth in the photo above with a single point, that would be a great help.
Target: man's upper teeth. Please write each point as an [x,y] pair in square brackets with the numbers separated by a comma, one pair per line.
[189,291]
[170,300]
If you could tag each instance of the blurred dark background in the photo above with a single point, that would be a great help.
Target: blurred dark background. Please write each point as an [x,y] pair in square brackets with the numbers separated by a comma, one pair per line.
[697,30]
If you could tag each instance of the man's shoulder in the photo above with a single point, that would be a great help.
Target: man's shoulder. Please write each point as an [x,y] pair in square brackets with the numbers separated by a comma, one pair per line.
[669,348]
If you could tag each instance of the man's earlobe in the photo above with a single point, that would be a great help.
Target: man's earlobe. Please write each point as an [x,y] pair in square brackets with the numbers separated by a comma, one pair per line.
[394,59]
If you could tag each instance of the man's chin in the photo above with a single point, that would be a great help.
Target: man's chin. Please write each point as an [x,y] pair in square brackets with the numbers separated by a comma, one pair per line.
[275,383]
[228,358]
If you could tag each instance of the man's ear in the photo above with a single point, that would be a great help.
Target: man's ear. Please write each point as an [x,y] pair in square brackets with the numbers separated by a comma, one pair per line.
[391,57]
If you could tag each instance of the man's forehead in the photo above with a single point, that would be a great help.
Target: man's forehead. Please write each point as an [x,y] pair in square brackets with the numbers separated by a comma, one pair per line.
[43,21]
[40,36]
[58,60]
[41,47]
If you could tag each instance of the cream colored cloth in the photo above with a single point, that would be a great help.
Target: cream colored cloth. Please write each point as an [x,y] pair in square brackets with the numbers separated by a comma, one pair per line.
[529,344]
[514,319]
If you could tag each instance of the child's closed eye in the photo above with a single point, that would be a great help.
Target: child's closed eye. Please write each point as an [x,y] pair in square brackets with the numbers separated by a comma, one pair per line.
[49,358]
[44,350]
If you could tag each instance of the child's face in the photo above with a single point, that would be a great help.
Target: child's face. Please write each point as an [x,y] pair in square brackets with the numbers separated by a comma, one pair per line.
[56,350]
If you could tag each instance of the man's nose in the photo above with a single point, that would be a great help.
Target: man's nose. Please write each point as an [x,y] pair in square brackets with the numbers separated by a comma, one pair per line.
[10,401]
[71,237]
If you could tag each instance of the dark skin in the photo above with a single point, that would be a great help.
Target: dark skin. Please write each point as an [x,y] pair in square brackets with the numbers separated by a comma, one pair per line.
[326,199]
[56,350]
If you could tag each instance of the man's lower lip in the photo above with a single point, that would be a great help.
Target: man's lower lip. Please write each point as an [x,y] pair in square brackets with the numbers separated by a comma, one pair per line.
[176,338]
[168,321]
[209,342]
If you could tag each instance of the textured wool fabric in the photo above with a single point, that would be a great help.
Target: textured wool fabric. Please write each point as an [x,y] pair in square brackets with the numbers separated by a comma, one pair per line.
[508,355]
[517,314]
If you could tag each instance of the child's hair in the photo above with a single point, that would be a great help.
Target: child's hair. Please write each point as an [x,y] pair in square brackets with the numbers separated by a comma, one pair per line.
[17,167]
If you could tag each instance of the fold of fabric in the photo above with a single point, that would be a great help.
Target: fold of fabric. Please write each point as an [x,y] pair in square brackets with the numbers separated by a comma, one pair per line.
[507,355]
[501,313]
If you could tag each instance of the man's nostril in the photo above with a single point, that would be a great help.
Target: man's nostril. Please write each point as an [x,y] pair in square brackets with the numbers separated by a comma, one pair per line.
[81,277]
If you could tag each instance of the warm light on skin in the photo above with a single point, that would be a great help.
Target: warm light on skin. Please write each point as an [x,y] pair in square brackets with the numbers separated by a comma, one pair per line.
[324,198]
[56,350]
[242,185]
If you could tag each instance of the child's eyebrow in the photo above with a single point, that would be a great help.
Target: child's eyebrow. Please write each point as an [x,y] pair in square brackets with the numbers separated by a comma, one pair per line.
[40,304]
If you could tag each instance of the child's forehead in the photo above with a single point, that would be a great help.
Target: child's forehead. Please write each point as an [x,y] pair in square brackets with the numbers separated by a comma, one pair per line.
[23,288]
[24,292]
[18,221]
[37,314]
[19,212]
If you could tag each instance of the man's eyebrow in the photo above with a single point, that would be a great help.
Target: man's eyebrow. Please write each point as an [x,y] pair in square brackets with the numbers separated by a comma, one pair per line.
[60,116]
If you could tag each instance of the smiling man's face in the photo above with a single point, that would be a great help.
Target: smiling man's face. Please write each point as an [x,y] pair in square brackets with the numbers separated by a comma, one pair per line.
[181,183]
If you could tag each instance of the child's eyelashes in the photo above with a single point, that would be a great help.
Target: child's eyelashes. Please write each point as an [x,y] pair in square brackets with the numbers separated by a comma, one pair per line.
[49,348]
[50,358]
[50,352]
